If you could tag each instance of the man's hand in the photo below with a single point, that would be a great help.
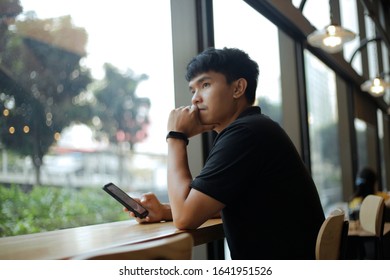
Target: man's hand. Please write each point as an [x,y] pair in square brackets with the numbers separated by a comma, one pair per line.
[157,211]
[185,119]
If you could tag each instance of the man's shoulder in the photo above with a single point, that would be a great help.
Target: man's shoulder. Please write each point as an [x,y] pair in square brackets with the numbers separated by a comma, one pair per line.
[257,123]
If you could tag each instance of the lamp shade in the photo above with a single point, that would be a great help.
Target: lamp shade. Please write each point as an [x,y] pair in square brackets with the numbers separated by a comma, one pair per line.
[376,87]
[331,38]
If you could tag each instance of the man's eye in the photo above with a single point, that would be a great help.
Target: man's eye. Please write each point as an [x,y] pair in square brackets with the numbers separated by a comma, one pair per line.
[205,85]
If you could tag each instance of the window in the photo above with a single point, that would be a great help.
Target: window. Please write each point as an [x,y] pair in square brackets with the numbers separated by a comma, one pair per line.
[323,130]
[382,148]
[366,135]
[373,63]
[261,43]
[386,68]
[91,89]
[362,143]
[349,20]
[317,12]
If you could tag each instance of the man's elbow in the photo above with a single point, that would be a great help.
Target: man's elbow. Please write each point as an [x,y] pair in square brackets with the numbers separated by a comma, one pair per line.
[185,224]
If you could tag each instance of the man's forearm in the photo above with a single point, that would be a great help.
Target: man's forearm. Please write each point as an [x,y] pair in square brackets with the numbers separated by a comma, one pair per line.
[179,176]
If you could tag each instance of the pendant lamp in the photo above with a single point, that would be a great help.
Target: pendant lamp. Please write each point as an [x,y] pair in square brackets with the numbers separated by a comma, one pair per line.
[331,39]
[376,87]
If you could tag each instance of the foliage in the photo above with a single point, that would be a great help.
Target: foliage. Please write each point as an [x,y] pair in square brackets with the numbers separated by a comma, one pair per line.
[41,77]
[47,208]
[10,8]
[123,115]
[45,88]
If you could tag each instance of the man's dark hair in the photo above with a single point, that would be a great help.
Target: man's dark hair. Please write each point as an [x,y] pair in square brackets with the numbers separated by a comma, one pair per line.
[232,63]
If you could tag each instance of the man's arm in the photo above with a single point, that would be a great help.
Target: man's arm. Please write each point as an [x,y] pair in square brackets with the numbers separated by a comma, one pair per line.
[190,208]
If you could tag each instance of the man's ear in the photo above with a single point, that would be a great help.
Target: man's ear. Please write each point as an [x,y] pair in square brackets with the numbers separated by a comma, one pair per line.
[240,87]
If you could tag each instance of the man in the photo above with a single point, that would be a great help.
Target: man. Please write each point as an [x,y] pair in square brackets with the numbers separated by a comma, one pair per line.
[253,175]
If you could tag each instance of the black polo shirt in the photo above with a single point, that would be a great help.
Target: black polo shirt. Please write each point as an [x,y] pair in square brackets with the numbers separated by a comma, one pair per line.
[273,210]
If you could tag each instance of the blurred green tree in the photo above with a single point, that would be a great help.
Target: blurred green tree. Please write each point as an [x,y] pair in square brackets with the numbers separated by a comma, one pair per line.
[123,115]
[41,79]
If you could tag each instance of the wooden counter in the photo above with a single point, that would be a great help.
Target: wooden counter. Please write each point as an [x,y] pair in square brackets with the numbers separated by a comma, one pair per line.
[66,243]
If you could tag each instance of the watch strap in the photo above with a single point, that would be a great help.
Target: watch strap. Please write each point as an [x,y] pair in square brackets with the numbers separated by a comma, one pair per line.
[178,135]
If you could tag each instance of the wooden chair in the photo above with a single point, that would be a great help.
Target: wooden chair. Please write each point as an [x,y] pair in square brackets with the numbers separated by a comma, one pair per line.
[332,237]
[176,247]
[371,220]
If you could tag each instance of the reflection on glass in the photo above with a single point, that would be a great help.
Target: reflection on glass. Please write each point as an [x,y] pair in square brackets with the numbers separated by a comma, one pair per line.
[323,130]
[83,93]
[263,48]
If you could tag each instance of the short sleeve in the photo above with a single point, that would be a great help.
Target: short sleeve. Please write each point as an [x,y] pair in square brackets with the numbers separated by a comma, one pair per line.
[224,174]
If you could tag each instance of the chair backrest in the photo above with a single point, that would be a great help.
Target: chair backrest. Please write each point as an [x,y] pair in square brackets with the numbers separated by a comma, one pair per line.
[332,236]
[176,247]
[371,214]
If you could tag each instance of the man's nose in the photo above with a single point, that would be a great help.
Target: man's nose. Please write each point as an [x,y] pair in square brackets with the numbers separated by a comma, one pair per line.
[195,97]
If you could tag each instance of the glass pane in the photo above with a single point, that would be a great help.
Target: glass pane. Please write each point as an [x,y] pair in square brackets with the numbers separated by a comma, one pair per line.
[261,43]
[386,70]
[382,144]
[366,135]
[317,12]
[85,95]
[349,20]
[323,130]
[296,3]
[362,143]
[372,52]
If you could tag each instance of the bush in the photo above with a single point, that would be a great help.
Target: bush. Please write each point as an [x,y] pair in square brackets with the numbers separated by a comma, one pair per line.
[50,208]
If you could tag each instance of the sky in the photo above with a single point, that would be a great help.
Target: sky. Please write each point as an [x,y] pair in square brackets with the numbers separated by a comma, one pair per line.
[112,30]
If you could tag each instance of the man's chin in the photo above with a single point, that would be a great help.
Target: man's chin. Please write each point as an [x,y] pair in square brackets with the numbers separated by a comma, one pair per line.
[208,123]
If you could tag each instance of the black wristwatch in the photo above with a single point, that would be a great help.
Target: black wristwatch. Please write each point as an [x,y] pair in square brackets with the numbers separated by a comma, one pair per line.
[177,135]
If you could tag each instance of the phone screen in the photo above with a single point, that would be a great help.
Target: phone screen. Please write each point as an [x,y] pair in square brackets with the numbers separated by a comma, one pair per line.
[126,200]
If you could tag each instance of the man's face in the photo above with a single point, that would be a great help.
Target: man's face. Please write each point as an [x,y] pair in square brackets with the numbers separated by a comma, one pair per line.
[214,98]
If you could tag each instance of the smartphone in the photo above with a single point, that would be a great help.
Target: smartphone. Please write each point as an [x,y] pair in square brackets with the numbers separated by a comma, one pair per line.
[126,200]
